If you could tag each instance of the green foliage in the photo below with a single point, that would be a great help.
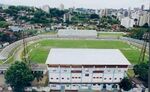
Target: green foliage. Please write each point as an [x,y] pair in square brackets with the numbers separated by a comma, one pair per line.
[54,12]
[142,71]
[31,32]
[11,11]
[18,35]
[94,16]
[38,75]
[137,33]
[80,18]
[3,24]
[39,17]
[18,76]
[125,84]
[44,46]
[145,25]
[2,19]
[105,20]
[25,18]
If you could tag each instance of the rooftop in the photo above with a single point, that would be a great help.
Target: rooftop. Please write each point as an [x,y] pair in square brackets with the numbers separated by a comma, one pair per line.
[77,33]
[86,57]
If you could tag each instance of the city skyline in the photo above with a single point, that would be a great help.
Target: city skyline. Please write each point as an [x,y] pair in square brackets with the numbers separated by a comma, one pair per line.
[97,4]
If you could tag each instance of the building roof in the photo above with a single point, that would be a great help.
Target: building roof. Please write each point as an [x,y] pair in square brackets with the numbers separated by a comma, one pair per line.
[77,33]
[86,57]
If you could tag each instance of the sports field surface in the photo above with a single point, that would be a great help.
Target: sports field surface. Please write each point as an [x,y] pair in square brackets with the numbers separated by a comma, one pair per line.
[110,34]
[38,52]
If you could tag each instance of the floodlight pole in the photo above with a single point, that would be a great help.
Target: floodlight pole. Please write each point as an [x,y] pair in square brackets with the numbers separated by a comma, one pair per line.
[149,59]
[149,52]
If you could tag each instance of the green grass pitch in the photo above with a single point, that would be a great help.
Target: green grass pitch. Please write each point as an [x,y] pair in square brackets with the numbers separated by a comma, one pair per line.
[41,49]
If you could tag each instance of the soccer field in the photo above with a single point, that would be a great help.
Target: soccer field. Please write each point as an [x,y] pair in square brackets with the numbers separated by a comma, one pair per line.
[40,50]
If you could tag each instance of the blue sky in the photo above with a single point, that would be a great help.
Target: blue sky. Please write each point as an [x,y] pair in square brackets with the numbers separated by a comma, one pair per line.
[95,4]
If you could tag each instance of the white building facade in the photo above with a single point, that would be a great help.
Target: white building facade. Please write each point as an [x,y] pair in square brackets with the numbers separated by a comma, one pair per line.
[127,22]
[45,8]
[144,18]
[67,17]
[74,69]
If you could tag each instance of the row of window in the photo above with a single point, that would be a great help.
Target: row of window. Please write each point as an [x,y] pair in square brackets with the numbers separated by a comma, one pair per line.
[105,78]
[93,78]
[67,78]
[87,70]
[83,85]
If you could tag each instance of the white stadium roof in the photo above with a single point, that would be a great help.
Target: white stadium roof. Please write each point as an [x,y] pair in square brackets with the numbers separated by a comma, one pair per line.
[86,57]
[77,33]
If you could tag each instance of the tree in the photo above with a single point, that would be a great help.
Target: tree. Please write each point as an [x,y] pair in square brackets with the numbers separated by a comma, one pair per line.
[125,84]
[2,19]
[19,76]
[38,75]
[94,16]
[137,33]
[3,24]
[141,70]
[145,25]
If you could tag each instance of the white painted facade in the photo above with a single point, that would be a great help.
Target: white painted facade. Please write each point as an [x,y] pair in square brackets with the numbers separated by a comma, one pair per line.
[145,18]
[127,22]
[67,17]
[45,8]
[83,76]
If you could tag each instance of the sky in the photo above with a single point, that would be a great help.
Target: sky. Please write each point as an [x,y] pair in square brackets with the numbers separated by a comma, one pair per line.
[93,4]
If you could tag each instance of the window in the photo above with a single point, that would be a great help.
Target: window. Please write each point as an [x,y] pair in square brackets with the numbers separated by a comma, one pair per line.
[57,78]
[51,78]
[99,84]
[86,75]
[87,70]
[105,78]
[79,77]
[115,78]
[94,84]
[94,77]
[67,78]
[62,78]
[109,78]
[120,78]
[53,85]
[54,70]
[65,70]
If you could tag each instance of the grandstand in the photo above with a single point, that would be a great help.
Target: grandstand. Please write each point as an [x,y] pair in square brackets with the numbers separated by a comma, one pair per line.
[70,33]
